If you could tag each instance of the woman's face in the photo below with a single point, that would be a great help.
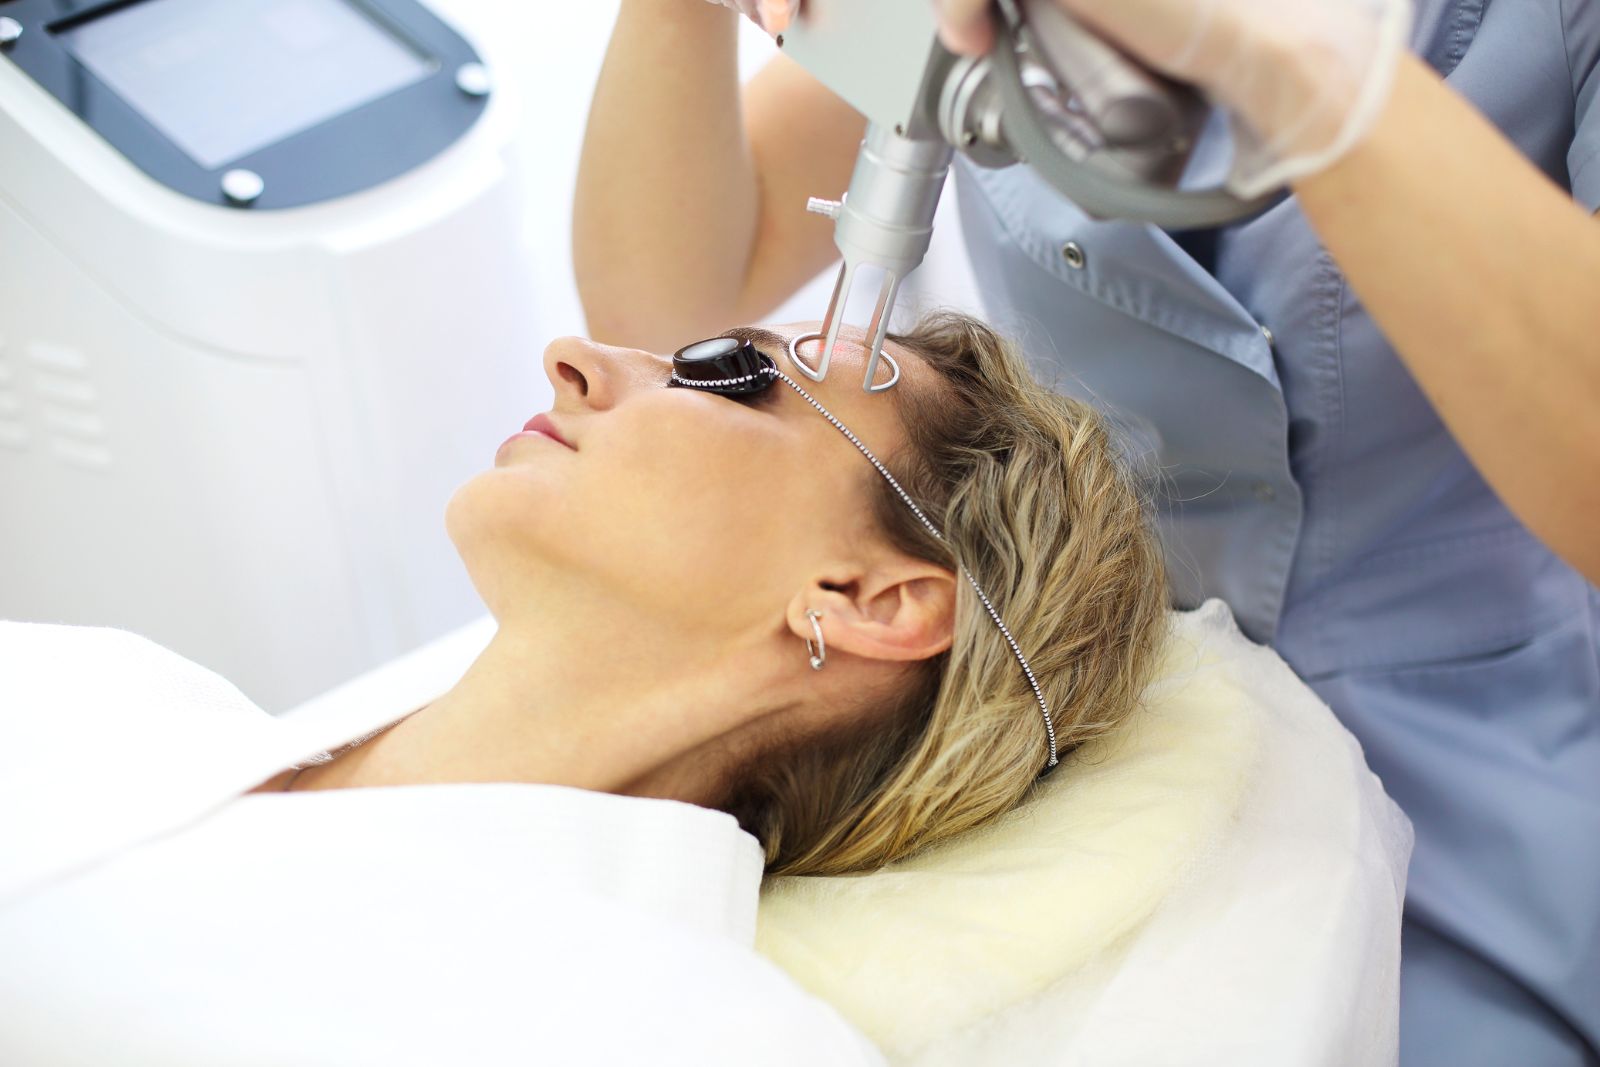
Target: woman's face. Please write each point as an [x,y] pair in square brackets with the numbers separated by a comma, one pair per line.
[681,507]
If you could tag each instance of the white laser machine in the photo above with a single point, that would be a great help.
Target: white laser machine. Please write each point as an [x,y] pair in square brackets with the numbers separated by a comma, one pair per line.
[260,287]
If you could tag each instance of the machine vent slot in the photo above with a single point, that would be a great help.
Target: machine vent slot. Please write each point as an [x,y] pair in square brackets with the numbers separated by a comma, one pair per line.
[69,415]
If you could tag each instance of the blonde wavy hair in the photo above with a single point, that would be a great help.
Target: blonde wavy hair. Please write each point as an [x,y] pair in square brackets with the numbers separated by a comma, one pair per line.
[1032,496]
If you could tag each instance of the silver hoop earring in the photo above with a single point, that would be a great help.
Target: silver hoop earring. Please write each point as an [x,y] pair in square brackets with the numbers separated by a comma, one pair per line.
[819,651]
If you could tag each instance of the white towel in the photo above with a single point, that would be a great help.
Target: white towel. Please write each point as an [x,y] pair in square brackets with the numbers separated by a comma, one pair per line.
[150,915]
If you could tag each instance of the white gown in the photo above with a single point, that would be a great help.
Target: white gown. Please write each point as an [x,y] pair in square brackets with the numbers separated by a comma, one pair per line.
[152,915]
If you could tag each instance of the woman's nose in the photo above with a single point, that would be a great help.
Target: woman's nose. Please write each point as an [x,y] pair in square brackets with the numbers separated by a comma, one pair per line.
[598,375]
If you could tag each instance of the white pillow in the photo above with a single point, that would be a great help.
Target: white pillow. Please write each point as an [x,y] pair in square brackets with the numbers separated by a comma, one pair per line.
[1022,939]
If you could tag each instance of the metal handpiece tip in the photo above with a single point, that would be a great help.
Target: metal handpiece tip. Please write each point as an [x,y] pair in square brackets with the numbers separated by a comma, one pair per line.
[877,332]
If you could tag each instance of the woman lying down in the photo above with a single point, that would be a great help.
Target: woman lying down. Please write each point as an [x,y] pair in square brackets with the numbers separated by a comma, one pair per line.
[747,622]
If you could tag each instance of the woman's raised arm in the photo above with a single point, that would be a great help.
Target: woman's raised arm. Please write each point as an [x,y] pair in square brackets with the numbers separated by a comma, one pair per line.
[689,215]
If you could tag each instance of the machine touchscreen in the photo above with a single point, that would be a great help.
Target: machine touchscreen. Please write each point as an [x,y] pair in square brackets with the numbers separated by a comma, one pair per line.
[222,78]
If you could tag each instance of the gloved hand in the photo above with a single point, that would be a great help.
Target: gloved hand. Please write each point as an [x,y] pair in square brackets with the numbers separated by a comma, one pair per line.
[1303,80]
[773,16]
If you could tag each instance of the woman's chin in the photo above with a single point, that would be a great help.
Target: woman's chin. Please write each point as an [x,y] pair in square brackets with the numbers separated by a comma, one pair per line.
[504,523]
[479,512]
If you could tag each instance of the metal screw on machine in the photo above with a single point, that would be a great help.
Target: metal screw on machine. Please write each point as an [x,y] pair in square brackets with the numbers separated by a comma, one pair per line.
[817,205]
[242,187]
[10,30]
[473,79]
[1072,252]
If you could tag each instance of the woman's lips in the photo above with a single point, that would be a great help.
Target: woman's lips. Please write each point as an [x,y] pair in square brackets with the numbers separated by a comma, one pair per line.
[538,426]
[542,423]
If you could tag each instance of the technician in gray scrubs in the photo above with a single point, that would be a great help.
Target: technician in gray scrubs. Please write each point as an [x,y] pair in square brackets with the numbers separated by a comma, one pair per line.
[1375,408]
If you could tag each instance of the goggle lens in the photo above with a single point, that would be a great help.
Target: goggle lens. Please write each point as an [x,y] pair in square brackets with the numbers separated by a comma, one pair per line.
[723,365]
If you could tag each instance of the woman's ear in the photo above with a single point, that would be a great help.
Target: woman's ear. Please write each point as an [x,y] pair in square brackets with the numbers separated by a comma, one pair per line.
[902,609]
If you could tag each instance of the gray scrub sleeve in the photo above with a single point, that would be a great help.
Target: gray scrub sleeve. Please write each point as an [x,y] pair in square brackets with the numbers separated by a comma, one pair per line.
[1580,27]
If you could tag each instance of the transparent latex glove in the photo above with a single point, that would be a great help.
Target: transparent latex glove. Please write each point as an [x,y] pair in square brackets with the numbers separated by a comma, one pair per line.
[773,16]
[1302,80]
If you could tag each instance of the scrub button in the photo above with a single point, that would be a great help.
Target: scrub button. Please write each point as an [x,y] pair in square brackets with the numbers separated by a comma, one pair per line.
[10,30]
[473,79]
[1266,331]
[243,187]
[1072,252]
[1264,492]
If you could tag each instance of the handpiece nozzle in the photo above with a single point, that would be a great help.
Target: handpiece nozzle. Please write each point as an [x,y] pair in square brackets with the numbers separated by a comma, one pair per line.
[885,222]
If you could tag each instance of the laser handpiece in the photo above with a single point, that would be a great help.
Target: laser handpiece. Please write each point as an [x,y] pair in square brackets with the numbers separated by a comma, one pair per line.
[1109,134]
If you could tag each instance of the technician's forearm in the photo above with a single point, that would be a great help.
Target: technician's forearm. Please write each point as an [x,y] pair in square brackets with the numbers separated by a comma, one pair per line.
[666,205]
[1483,275]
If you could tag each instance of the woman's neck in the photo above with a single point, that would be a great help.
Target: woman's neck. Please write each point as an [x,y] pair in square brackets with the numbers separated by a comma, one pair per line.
[546,704]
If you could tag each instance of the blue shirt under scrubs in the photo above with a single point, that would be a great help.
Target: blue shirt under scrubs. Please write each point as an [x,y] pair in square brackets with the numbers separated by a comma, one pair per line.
[1302,476]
